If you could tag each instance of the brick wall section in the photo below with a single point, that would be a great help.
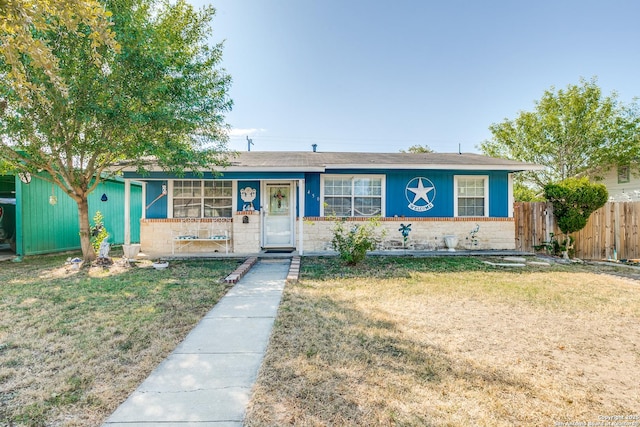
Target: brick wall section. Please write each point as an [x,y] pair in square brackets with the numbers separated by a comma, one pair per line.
[246,236]
[156,235]
[426,233]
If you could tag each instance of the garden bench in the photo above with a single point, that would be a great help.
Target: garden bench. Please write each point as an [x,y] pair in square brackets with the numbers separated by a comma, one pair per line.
[193,231]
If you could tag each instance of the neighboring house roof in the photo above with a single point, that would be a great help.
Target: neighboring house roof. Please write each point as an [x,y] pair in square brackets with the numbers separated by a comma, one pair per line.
[321,161]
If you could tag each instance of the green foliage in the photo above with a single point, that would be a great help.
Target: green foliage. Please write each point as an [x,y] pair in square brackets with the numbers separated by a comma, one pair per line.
[572,132]
[418,149]
[98,231]
[23,22]
[557,247]
[522,193]
[353,242]
[162,96]
[574,200]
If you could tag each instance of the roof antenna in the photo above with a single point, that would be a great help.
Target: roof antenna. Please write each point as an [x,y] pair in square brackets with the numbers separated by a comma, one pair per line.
[249,143]
[459,148]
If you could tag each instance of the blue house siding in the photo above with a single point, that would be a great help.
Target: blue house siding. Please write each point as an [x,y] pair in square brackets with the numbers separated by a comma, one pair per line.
[498,194]
[155,205]
[397,198]
[312,196]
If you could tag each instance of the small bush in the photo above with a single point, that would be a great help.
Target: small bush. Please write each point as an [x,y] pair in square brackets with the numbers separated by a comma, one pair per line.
[98,231]
[352,243]
[557,247]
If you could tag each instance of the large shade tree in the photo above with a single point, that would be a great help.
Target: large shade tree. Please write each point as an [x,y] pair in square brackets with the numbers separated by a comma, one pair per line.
[574,132]
[161,96]
[21,22]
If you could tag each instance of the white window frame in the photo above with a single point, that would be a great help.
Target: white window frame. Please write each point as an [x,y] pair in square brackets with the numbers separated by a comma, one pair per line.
[511,197]
[353,177]
[170,188]
[456,180]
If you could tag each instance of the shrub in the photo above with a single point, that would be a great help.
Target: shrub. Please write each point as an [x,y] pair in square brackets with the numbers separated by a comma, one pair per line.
[574,199]
[98,231]
[353,242]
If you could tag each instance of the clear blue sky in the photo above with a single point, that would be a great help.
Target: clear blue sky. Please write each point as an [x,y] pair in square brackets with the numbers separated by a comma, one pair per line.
[358,75]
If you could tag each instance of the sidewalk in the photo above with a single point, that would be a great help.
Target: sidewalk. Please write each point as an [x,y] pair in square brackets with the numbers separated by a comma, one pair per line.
[207,380]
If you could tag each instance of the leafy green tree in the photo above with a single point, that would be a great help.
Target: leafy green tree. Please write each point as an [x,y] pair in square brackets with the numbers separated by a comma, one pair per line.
[522,193]
[161,98]
[573,132]
[23,20]
[574,200]
[418,149]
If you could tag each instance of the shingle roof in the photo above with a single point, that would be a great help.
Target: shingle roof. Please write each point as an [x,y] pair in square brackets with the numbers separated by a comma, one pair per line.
[320,161]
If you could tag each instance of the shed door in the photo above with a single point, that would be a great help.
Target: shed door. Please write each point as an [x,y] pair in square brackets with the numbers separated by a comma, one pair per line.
[278,216]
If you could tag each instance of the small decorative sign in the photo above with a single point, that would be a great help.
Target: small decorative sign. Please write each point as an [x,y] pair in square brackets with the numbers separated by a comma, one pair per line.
[248,195]
[279,198]
[420,193]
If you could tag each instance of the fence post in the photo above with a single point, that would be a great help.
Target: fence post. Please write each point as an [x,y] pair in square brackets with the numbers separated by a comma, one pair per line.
[548,218]
[616,229]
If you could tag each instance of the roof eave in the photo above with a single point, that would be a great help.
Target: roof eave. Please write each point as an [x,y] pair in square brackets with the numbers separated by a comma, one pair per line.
[513,168]
[272,169]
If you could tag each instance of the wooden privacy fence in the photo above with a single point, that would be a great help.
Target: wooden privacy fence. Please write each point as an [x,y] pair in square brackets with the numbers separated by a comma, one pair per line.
[611,232]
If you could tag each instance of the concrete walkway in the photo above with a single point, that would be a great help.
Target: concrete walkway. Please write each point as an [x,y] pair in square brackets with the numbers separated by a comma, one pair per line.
[207,380]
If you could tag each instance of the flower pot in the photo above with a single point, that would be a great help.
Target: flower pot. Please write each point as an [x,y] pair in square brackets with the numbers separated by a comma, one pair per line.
[451,242]
[130,251]
[160,265]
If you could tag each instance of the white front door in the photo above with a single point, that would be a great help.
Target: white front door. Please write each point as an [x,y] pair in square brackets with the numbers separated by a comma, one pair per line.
[278,215]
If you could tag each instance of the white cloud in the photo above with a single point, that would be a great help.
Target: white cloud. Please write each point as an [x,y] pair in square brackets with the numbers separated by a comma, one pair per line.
[245,132]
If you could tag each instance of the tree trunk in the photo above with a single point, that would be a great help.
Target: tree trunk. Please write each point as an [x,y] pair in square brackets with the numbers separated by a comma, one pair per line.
[88,254]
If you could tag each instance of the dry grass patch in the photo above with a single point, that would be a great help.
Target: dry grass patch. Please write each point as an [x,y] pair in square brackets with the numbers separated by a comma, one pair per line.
[75,344]
[409,343]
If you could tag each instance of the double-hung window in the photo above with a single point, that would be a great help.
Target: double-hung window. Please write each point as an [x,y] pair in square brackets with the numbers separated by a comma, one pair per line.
[471,195]
[349,196]
[202,199]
